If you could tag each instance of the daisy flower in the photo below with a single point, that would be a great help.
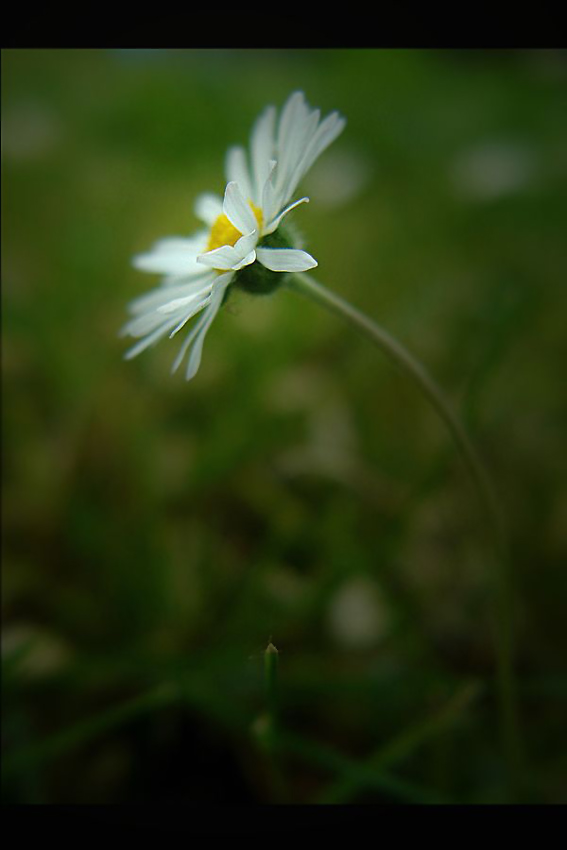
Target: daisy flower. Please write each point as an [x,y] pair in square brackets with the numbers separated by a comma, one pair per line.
[243,242]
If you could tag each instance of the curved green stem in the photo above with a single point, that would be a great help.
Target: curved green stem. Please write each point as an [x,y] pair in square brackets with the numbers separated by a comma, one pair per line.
[306,285]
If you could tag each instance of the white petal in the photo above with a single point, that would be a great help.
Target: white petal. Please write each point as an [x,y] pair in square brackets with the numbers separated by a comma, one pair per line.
[197,348]
[192,312]
[326,133]
[262,150]
[292,121]
[184,321]
[143,325]
[220,258]
[169,313]
[275,223]
[185,301]
[299,143]
[270,199]
[161,295]
[196,352]
[229,257]
[285,259]
[144,343]
[300,140]
[237,170]
[246,243]
[173,256]
[196,336]
[297,125]
[208,207]
[246,261]
[172,243]
[237,210]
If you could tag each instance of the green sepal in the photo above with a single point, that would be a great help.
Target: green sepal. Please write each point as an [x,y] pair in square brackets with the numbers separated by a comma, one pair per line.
[256,278]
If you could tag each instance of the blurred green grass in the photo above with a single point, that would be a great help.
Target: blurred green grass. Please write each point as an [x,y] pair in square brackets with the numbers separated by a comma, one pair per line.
[157,533]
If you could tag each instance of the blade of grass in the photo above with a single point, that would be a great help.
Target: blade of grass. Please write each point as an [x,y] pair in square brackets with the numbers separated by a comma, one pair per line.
[266,728]
[61,742]
[180,690]
[406,743]
[354,773]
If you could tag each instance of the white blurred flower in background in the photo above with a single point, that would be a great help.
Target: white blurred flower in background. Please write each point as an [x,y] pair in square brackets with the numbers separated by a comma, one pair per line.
[358,617]
[493,170]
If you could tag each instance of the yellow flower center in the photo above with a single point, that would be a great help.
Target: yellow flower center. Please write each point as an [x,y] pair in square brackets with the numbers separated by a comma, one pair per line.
[223,232]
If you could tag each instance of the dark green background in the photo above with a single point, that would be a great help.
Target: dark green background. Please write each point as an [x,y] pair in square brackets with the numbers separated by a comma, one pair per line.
[158,533]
